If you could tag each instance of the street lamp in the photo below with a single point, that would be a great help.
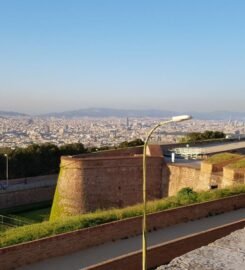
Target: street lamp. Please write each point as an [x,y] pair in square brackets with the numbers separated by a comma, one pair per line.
[7,169]
[179,118]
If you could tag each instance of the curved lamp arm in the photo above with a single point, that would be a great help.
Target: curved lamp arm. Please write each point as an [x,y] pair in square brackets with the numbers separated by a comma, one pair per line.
[144,226]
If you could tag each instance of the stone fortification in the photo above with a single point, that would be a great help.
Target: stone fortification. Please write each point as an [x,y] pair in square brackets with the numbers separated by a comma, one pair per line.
[222,173]
[183,176]
[90,183]
[232,176]
[114,179]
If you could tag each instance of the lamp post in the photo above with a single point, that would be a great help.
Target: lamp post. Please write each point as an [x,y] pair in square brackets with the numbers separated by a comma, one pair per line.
[179,118]
[7,169]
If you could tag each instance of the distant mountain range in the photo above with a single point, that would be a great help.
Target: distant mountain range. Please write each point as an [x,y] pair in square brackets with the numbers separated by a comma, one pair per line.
[103,112]
[106,112]
[13,114]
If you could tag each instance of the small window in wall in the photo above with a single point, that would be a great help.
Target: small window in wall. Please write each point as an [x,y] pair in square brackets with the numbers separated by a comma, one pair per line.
[213,186]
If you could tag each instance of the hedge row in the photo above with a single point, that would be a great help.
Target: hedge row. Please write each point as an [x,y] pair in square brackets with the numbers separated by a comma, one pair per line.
[36,231]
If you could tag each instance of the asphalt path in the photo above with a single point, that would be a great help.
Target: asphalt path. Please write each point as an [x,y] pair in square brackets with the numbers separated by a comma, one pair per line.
[101,253]
[195,163]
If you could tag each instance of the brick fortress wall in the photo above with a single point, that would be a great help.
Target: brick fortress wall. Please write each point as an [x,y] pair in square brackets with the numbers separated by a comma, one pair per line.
[90,183]
[114,179]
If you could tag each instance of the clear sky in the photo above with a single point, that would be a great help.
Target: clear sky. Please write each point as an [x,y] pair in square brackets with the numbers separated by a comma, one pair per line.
[160,54]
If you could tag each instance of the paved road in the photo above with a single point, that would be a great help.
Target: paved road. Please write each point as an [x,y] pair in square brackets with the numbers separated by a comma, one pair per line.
[84,258]
[195,163]
[222,147]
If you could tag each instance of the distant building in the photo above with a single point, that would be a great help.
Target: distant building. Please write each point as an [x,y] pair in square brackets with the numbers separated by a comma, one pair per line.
[203,151]
[127,122]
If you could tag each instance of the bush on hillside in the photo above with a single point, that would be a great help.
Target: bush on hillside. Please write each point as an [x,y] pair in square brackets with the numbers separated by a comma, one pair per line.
[187,195]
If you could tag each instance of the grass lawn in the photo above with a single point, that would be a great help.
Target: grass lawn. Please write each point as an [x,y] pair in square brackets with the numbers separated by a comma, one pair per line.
[33,216]
[186,196]
[240,164]
[219,158]
[3,228]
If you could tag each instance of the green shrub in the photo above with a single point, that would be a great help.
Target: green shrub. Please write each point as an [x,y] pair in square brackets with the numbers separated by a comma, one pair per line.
[187,195]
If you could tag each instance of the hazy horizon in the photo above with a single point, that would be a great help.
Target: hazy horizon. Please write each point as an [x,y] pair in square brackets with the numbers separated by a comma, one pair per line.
[119,112]
[166,55]
[36,113]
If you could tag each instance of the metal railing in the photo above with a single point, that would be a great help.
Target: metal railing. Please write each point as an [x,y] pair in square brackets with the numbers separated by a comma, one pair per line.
[189,153]
[11,222]
[2,186]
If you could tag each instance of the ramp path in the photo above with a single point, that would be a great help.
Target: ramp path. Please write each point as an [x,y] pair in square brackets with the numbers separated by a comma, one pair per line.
[110,250]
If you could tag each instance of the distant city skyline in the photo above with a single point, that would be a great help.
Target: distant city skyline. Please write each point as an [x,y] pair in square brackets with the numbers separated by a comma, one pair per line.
[103,131]
[169,55]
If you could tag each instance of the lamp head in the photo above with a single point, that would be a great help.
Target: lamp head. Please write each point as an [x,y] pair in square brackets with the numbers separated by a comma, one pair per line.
[181,118]
[5,155]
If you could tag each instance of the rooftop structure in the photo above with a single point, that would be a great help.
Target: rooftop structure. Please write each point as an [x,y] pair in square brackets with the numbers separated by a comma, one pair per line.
[204,151]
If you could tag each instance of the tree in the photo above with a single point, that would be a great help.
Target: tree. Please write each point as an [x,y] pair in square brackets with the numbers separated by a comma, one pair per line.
[206,135]
[72,149]
[36,159]
[136,142]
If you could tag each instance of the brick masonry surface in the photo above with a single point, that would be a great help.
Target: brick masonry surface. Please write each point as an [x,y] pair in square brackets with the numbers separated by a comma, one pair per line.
[26,197]
[87,184]
[27,253]
[164,253]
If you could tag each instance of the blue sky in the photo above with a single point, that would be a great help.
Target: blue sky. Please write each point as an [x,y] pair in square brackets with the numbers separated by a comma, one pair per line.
[160,54]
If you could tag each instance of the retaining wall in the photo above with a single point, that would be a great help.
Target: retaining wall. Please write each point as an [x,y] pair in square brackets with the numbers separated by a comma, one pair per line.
[163,254]
[31,252]
[183,176]
[233,176]
[26,191]
[24,197]
[218,167]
